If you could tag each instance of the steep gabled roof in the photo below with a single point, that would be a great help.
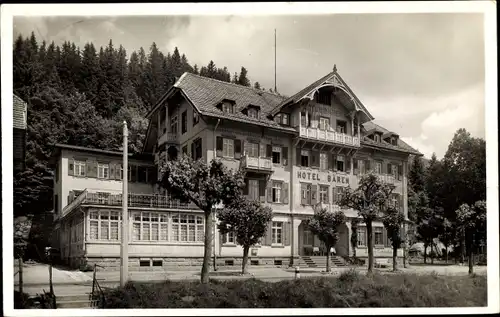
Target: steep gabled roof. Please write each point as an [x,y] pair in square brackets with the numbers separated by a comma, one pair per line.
[206,93]
[402,145]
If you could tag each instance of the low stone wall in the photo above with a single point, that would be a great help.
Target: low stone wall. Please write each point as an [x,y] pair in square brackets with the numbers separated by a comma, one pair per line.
[178,263]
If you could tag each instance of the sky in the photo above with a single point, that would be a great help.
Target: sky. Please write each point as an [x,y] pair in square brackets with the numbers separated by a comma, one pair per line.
[420,75]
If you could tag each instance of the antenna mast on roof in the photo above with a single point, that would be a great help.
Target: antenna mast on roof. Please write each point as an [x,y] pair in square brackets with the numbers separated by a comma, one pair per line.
[275,90]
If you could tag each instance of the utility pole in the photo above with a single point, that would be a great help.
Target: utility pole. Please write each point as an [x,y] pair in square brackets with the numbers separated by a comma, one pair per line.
[124,245]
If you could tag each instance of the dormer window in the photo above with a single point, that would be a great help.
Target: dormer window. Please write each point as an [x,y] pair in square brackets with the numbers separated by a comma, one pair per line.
[282,118]
[394,141]
[227,107]
[376,138]
[253,113]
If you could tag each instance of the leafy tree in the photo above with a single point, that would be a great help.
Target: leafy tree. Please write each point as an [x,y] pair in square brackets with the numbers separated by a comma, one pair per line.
[370,201]
[243,79]
[447,236]
[416,175]
[248,221]
[392,221]
[205,185]
[324,225]
[472,220]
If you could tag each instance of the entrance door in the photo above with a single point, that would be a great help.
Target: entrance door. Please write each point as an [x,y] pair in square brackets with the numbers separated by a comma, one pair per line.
[308,242]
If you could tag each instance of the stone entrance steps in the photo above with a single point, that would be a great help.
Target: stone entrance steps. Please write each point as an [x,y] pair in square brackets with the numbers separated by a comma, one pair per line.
[320,261]
[74,301]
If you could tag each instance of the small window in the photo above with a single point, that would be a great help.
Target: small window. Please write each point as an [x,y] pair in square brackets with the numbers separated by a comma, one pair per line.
[174,125]
[228,148]
[276,155]
[341,126]
[103,171]
[254,262]
[253,113]
[229,262]
[184,122]
[376,138]
[196,118]
[79,168]
[227,107]
[144,263]
[379,236]
[324,123]
[251,149]
[340,163]
[378,167]
[278,262]
[323,97]
[323,194]
[284,119]
[323,161]
[276,192]
[304,158]
[157,263]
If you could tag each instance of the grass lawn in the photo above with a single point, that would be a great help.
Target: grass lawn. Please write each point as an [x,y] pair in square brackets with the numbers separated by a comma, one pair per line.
[350,289]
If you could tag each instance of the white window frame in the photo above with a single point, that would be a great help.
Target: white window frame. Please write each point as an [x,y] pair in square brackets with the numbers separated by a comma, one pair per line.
[79,166]
[253,189]
[323,161]
[103,171]
[306,192]
[378,167]
[174,122]
[308,155]
[361,232]
[150,220]
[227,147]
[340,158]
[227,107]
[324,123]
[394,170]
[253,113]
[376,137]
[284,119]
[380,231]
[276,149]
[277,189]
[193,225]
[103,219]
[252,149]
[323,193]
[277,233]
[230,238]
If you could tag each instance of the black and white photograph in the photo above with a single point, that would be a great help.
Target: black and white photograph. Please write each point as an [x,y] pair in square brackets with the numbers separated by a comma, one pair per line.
[211,157]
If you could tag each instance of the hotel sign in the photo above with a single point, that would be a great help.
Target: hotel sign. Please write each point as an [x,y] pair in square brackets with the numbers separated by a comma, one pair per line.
[325,177]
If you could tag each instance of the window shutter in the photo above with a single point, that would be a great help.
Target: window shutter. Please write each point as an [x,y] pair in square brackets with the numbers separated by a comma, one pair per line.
[314,194]
[334,196]
[334,162]
[245,189]
[111,171]
[303,188]
[314,159]
[331,165]
[284,193]
[355,166]
[270,192]
[269,234]
[299,157]
[218,146]
[389,168]
[400,172]
[237,149]
[71,170]
[348,164]
[287,231]
[91,168]
[133,173]
[284,153]
[262,190]
[269,150]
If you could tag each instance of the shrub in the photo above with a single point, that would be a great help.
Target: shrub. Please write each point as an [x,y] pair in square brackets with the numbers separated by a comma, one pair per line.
[350,289]
[21,300]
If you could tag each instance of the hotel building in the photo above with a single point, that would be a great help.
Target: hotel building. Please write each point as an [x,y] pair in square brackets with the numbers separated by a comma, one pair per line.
[298,153]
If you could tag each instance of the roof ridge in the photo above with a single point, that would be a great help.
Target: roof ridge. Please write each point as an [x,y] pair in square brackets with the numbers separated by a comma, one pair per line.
[236,85]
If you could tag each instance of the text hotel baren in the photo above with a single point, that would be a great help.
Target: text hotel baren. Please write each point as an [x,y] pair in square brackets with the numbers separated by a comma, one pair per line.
[298,154]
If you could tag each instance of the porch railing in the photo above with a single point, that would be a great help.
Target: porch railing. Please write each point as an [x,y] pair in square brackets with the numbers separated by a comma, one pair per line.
[329,135]
[261,163]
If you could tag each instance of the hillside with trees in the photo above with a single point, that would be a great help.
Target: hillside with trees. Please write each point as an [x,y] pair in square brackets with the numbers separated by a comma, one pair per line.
[81,96]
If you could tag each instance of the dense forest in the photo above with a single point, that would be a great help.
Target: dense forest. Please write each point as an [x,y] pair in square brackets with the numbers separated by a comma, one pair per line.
[81,96]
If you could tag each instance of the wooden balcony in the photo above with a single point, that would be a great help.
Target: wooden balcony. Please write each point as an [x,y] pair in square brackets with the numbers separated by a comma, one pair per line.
[386,178]
[328,136]
[168,137]
[256,164]
[134,200]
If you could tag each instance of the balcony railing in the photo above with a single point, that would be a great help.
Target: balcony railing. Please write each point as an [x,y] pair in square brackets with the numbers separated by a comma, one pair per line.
[256,163]
[137,200]
[168,137]
[329,136]
[386,178]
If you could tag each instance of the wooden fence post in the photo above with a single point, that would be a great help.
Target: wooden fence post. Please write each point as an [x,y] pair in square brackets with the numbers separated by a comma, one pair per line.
[21,275]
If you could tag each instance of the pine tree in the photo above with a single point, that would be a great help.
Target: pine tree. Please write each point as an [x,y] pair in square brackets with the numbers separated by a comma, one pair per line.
[235,78]
[195,70]
[90,72]
[243,79]
[256,85]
